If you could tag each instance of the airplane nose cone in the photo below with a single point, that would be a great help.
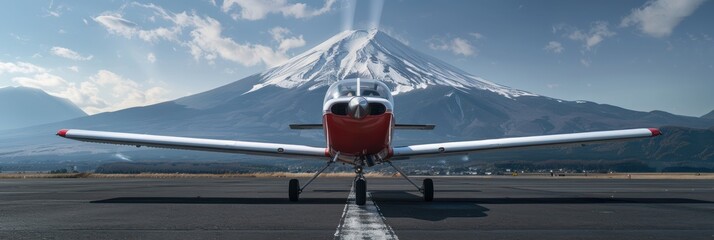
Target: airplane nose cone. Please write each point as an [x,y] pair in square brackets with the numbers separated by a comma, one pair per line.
[358,107]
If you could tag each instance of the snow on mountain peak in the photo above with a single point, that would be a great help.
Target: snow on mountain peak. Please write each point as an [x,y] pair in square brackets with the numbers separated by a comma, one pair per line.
[375,55]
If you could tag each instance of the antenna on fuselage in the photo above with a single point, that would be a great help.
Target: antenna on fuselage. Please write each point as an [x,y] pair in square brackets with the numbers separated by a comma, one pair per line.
[359,88]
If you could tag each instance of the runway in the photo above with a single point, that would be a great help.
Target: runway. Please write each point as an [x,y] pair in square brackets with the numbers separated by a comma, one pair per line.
[257,208]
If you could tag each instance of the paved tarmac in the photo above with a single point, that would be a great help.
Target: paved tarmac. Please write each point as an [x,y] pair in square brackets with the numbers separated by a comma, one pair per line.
[257,208]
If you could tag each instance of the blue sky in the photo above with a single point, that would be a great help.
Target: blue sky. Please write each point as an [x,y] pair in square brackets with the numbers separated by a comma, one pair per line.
[109,55]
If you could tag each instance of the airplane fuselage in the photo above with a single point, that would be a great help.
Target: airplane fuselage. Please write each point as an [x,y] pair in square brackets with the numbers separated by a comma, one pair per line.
[358,121]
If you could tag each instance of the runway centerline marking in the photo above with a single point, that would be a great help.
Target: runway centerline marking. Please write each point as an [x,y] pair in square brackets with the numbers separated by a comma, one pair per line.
[363,222]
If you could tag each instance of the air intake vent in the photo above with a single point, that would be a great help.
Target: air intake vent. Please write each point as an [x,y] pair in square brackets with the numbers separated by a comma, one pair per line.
[339,109]
[377,109]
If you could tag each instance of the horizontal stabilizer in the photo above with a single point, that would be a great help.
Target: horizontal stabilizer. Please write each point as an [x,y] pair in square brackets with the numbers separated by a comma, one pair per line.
[306,126]
[415,126]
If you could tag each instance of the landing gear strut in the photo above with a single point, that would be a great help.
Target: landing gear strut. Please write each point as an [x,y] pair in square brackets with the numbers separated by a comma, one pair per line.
[294,188]
[427,187]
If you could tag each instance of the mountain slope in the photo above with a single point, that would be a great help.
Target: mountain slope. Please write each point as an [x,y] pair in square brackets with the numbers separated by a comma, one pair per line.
[709,115]
[22,107]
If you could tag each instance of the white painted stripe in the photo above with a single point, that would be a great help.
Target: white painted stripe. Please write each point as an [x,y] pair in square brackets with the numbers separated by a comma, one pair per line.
[363,222]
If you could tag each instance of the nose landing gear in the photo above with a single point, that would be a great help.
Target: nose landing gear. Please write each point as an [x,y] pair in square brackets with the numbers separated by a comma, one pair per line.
[360,187]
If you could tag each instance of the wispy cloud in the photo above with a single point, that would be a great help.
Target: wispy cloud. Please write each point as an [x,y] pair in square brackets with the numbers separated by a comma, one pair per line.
[258,9]
[658,18]
[203,36]
[69,54]
[20,67]
[116,24]
[19,38]
[151,57]
[458,46]
[286,43]
[54,11]
[555,47]
[476,35]
[598,32]
[590,38]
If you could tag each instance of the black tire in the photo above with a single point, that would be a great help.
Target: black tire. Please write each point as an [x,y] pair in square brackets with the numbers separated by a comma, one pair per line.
[360,191]
[428,186]
[294,190]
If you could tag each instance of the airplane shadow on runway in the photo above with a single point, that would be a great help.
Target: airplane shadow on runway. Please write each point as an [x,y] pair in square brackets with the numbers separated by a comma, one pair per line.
[411,205]
[408,204]
[219,200]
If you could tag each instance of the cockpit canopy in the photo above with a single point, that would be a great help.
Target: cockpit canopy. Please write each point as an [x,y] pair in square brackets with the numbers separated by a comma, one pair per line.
[349,88]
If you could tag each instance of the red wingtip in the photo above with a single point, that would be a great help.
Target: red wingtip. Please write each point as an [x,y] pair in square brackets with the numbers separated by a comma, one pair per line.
[655,132]
[62,132]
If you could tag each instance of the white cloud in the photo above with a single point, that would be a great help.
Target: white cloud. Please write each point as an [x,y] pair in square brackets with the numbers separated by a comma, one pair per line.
[74,68]
[658,18]
[42,81]
[585,62]
[458,46]
[285,43]
[85,21]
[462,46]
[69,54]
[203,37]
[258,9]
[20,67]
[554,46]
[104,91]
[598,32]
[151,57]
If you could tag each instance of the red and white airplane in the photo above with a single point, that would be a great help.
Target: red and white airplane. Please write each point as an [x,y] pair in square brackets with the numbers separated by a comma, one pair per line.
[358,121]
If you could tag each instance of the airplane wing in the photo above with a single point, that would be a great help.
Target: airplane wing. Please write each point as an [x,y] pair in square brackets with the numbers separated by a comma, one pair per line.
[201,144]
[432,149]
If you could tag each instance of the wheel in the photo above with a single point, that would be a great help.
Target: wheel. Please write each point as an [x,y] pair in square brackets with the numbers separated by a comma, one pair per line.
[360,191]
[294,190]
[428,187]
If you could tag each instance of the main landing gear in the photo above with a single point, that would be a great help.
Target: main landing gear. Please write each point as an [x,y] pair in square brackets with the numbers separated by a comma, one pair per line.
[427,187]
[294,188]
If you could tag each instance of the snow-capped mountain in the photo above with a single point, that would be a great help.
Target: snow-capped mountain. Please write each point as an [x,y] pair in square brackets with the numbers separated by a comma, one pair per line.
[260,107]
[373,55]
[23,106]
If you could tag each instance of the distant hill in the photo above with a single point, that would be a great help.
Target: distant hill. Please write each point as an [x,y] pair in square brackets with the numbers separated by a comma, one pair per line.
[677,147]
[22,107]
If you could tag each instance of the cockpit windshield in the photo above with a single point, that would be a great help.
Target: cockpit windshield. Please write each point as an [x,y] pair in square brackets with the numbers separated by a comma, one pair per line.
[358,87]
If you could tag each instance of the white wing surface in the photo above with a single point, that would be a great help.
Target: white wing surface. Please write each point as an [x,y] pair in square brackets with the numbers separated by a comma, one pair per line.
[213,145]
[520,142]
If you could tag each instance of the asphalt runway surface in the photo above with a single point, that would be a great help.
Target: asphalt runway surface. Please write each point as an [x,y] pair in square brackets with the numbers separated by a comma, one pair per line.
[257,208]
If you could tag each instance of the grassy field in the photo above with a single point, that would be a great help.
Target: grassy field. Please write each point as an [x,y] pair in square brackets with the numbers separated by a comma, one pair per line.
[350,174]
